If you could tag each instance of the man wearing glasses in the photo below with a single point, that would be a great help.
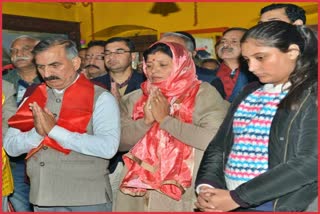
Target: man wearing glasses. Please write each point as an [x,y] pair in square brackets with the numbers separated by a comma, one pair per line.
[94,59]
[120,80]
[118,57]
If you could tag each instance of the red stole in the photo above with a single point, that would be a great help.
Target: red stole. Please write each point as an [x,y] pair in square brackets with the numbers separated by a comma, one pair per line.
[76,111]
[159,161]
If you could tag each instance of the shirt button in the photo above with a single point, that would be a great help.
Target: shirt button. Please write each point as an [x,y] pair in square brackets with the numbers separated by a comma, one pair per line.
[42,164]
[45,148]
[58,100]
[281,138]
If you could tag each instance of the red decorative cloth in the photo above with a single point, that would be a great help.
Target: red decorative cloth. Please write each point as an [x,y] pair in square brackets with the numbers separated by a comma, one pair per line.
[159,161]
[75,114]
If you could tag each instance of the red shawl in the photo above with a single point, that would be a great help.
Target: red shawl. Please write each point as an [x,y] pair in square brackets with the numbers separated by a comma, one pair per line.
[75,114]
[159,161]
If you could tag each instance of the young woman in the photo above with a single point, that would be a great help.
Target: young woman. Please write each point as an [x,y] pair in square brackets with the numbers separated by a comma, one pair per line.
[166,125]
[264,156]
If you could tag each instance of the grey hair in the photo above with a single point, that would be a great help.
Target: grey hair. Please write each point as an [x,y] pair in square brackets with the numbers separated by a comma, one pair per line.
[187,40]
[25,37]
[70,46]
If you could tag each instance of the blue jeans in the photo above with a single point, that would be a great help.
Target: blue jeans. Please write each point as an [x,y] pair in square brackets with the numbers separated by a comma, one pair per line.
[107,207]
[20,197]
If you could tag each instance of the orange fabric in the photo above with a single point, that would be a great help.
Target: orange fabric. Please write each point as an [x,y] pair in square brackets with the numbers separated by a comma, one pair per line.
[159,161]
[75,114]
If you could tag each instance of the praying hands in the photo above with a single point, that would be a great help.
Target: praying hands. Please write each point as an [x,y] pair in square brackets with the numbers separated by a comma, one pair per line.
[44,120]
[215,200]
[157,107]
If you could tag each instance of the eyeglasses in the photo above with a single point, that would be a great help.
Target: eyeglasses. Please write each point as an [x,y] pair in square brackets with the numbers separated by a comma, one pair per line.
[98,57]
[117,52]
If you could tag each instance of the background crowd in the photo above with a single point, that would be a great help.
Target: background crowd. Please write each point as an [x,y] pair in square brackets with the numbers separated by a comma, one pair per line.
[84,130]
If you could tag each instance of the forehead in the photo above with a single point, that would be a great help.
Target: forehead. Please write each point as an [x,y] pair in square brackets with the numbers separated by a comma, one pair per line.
[23,42]
[158,56]
[276,14]
[234,34]
[174,39]
[95,50]
[252,46]
[116,45]
[52,53]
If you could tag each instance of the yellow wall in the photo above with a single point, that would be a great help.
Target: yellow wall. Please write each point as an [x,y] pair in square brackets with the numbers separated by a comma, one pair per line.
[39,10]
[107,14]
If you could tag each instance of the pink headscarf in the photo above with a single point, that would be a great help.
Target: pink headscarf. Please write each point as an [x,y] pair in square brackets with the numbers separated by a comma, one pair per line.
[159,161]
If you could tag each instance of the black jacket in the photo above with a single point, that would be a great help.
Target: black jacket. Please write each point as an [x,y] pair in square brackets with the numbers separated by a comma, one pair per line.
[133,84]
[292,178]
[210,76]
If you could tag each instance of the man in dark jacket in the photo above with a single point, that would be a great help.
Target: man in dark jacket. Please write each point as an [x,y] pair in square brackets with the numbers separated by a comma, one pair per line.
[121,77]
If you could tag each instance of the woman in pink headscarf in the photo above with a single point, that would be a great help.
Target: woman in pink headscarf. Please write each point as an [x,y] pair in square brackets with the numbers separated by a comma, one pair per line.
[166,125]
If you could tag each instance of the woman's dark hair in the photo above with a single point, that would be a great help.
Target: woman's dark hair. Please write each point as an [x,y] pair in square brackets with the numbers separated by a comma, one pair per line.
[281,35]
[155,48]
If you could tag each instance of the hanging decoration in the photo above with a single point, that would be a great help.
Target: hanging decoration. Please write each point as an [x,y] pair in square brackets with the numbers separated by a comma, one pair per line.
[164,8]
[195,14]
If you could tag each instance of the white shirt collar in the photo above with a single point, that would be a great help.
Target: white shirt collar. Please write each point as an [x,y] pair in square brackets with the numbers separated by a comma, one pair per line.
[62,90]
[276,88]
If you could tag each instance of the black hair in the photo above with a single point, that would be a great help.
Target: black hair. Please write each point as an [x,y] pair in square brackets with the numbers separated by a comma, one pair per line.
[156,48]
[82,49]
[128,42]
[293,11]
[281,35]
[100,43]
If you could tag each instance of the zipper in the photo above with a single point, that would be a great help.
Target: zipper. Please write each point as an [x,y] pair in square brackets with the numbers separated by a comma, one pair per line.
[287,139]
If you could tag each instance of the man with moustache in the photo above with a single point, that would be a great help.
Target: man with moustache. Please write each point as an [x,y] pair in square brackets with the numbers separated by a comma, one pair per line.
[23,76]
[25,73]
[94,59]
[69,138]
[232,72]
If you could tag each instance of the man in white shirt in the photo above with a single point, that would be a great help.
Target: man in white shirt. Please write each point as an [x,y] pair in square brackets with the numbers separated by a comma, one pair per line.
[70,128]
